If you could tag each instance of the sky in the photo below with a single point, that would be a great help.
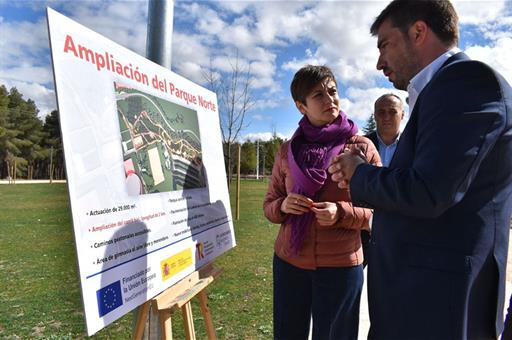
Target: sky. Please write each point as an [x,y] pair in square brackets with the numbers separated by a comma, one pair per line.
[273,38]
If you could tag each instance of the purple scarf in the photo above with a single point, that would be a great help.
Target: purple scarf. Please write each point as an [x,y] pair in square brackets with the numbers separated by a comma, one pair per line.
[309,153]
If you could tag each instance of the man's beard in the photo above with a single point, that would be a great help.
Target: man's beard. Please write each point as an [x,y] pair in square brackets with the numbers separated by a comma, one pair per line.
[410,67]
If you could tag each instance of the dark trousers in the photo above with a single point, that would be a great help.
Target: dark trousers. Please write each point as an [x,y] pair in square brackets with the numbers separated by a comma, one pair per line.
[330,295]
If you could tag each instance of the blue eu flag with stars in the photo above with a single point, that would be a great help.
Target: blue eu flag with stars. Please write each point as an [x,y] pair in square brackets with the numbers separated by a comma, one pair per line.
[109,298]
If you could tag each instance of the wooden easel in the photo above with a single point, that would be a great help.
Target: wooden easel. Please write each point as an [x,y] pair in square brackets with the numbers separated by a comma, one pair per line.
[180,296]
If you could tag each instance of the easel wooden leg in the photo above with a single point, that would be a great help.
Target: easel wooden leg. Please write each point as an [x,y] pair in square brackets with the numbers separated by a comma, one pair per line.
[166,324]
[205,310]
[179,296]
[141,321]
[188,321]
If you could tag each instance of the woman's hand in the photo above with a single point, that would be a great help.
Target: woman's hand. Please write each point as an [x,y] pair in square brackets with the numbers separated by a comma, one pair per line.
[327,213]
[296,204]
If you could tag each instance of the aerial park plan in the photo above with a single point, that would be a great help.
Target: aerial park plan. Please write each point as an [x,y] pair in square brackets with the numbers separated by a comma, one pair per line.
[160,142]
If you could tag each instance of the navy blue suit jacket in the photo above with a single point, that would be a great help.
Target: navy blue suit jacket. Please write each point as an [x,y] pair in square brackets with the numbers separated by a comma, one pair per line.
[442,211]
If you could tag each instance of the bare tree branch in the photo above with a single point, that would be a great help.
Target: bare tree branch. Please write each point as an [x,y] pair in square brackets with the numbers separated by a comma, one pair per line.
[234,95]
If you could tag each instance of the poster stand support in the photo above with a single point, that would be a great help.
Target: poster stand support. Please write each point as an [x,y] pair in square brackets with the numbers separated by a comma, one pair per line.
[177,297]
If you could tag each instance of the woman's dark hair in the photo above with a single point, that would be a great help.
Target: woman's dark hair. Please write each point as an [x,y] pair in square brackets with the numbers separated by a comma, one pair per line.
[439,15]
[306,78]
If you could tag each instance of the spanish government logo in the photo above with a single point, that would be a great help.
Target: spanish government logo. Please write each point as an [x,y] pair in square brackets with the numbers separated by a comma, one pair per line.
[109,298]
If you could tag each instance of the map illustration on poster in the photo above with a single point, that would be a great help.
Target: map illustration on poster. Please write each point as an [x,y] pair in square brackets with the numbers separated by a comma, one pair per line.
[145,171]
[161,143]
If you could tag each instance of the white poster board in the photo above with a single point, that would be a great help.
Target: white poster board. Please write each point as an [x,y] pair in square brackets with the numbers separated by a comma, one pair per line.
[145,171]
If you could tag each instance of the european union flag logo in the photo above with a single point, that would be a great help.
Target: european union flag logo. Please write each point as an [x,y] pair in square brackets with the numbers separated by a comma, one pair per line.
[109,298]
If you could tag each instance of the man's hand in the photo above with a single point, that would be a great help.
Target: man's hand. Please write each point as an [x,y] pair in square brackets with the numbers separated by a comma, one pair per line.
[343,166]
[326,213]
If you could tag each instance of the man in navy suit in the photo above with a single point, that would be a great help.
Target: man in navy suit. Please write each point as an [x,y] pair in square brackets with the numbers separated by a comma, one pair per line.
[442,207]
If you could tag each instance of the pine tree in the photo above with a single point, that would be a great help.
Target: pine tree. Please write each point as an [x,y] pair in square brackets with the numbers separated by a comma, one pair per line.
[370,125]
[248,158]
[21,134]
[33,134]
[10,143]
[271,148]
[5,132]
[24,119]
[53,144]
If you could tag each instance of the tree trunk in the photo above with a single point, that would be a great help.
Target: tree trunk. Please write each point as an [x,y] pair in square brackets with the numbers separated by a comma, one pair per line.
[8,170]
[228,153]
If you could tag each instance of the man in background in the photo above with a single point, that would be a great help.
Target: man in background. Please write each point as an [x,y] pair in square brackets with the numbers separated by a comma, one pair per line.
[388,114]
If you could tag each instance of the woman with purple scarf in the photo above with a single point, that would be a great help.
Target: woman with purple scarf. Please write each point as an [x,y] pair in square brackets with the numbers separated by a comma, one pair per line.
[317,266]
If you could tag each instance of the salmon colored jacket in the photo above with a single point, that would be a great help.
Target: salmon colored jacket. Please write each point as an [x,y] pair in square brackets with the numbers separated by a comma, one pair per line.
[338,245]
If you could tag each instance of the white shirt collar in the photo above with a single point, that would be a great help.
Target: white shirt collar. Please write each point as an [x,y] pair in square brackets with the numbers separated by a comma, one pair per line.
[420,80]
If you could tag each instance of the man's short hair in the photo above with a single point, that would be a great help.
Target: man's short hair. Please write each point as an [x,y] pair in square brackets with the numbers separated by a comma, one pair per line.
[439,15]
[306,79]
[386,95]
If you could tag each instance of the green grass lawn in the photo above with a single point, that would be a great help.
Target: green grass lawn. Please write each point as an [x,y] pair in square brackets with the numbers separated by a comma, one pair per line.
[39,286]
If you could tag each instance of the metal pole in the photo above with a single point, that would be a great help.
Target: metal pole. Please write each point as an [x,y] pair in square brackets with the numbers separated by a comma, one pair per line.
[257,159]
[158,50]
[159,38]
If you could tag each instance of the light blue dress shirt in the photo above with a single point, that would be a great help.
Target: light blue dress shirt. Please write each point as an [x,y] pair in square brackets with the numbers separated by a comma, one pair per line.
[386,151]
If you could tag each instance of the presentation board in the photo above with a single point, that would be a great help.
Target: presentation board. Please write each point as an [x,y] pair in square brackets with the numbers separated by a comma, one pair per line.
[145,171]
